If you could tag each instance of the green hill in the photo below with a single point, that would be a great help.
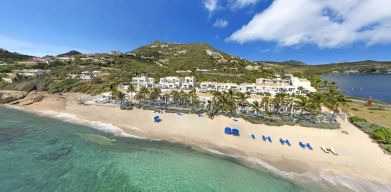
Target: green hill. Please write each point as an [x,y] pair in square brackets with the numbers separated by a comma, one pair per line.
[11,57]
[362,67]
[69,54]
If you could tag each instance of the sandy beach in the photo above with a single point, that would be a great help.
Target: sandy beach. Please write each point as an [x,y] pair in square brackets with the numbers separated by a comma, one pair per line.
[358,158]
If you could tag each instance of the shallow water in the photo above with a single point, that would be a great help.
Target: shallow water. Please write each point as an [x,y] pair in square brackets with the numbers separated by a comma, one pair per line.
[43,154]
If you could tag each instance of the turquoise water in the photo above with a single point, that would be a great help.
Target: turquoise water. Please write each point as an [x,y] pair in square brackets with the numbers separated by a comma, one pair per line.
[43,154]
[365,86]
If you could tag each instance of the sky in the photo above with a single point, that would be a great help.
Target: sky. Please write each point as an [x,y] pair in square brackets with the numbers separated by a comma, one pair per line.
[311,31]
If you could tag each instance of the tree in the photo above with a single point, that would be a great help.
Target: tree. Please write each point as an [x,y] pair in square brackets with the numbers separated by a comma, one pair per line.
[118,95]
[302,104]
[154,94]
[265,102]
[142,94]
[131,90]
[334,100]
[256,106]
[241,99]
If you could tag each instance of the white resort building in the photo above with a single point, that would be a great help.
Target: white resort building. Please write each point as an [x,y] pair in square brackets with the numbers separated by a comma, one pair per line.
[143,81]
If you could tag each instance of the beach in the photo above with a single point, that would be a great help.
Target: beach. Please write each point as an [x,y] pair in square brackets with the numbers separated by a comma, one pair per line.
[358,159]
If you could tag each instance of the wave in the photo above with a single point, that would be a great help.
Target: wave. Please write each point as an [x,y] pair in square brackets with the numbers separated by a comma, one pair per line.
[326,180]
[101,126]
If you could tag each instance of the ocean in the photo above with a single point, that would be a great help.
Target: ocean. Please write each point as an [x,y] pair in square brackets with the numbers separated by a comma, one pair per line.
[41,154]
[365,86]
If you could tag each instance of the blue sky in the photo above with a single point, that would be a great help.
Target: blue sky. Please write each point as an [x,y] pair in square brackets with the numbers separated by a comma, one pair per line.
[306,30]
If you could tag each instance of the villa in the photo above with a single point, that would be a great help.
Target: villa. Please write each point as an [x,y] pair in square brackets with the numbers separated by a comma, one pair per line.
[143,81]
[85,75]
[183,83]
[30,72]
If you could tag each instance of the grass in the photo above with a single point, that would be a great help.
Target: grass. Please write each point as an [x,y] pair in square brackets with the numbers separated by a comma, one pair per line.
[375,115]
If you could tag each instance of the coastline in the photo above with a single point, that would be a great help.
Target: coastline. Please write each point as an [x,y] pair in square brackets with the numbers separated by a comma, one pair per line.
[363,160]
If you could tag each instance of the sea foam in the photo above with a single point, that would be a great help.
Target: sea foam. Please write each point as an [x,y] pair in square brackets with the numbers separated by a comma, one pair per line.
[101,126]
[325,179]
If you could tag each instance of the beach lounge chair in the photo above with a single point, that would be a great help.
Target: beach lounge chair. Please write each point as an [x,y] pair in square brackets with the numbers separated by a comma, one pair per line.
[309,146]
[235,132]
[269,139]
[282,141]
[264,138]
[301,145]
[333,151]
[288,142]
[156,119]
[324,149]
[228,131]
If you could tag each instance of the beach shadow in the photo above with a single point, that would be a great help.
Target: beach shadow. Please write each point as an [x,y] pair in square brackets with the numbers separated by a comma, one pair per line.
[11,133]
[56,154]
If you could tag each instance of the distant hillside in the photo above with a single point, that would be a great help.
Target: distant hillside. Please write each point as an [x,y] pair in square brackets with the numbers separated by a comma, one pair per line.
[362,67]
[10,57]
[69,54]
[187,56]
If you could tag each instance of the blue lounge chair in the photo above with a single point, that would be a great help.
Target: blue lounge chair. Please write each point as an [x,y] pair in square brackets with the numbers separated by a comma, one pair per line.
[228,131]
[269,139]
[282,141]
[156,119]
[302,145]
[264,138]
[253,136]
[235,132]
[309,146]
[288,142]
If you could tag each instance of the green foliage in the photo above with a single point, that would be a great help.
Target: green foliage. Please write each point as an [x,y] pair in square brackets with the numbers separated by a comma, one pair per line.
[383,135]
[355,119]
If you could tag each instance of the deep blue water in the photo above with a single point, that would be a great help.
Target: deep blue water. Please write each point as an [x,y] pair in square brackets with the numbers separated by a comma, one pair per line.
[365,86]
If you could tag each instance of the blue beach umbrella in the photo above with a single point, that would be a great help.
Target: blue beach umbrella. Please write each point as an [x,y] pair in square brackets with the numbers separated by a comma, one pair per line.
[235,132]
[227,131]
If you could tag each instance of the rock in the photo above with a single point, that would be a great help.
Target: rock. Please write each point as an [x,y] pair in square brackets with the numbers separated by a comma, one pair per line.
[10,133]
[58,153]
[7,96]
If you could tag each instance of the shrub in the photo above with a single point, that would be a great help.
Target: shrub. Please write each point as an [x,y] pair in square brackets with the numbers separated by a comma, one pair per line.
[383,135]
[354,119]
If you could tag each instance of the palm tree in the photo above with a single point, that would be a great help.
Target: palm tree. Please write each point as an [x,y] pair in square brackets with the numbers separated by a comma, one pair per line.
[302,104]
[334,100]
[241,99]
[265,103]
[131,90]
[154,94]
[142,94]
[256,106]
[175,96]
[118,95]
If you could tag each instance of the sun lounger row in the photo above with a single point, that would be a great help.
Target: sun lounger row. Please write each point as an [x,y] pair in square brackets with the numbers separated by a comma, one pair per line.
[233,131]
[267,138]
[286,141]
[305,146]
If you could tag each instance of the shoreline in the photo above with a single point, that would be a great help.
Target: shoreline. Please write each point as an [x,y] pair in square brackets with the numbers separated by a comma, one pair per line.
[292,162]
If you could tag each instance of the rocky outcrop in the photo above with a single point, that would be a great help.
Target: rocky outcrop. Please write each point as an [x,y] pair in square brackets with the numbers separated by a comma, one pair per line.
[9,96]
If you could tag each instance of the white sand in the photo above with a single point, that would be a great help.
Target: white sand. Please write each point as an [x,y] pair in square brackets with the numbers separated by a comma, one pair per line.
[358,156]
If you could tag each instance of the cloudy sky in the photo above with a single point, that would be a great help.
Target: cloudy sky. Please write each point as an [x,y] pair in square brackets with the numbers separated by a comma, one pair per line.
[312,31]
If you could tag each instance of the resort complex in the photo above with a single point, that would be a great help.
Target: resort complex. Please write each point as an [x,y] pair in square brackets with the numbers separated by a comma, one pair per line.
[290,85]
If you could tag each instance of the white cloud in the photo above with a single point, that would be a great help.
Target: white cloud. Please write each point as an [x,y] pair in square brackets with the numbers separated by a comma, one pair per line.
[29,48]
[221,23]
[331,24]
[210,5]
[238,4]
